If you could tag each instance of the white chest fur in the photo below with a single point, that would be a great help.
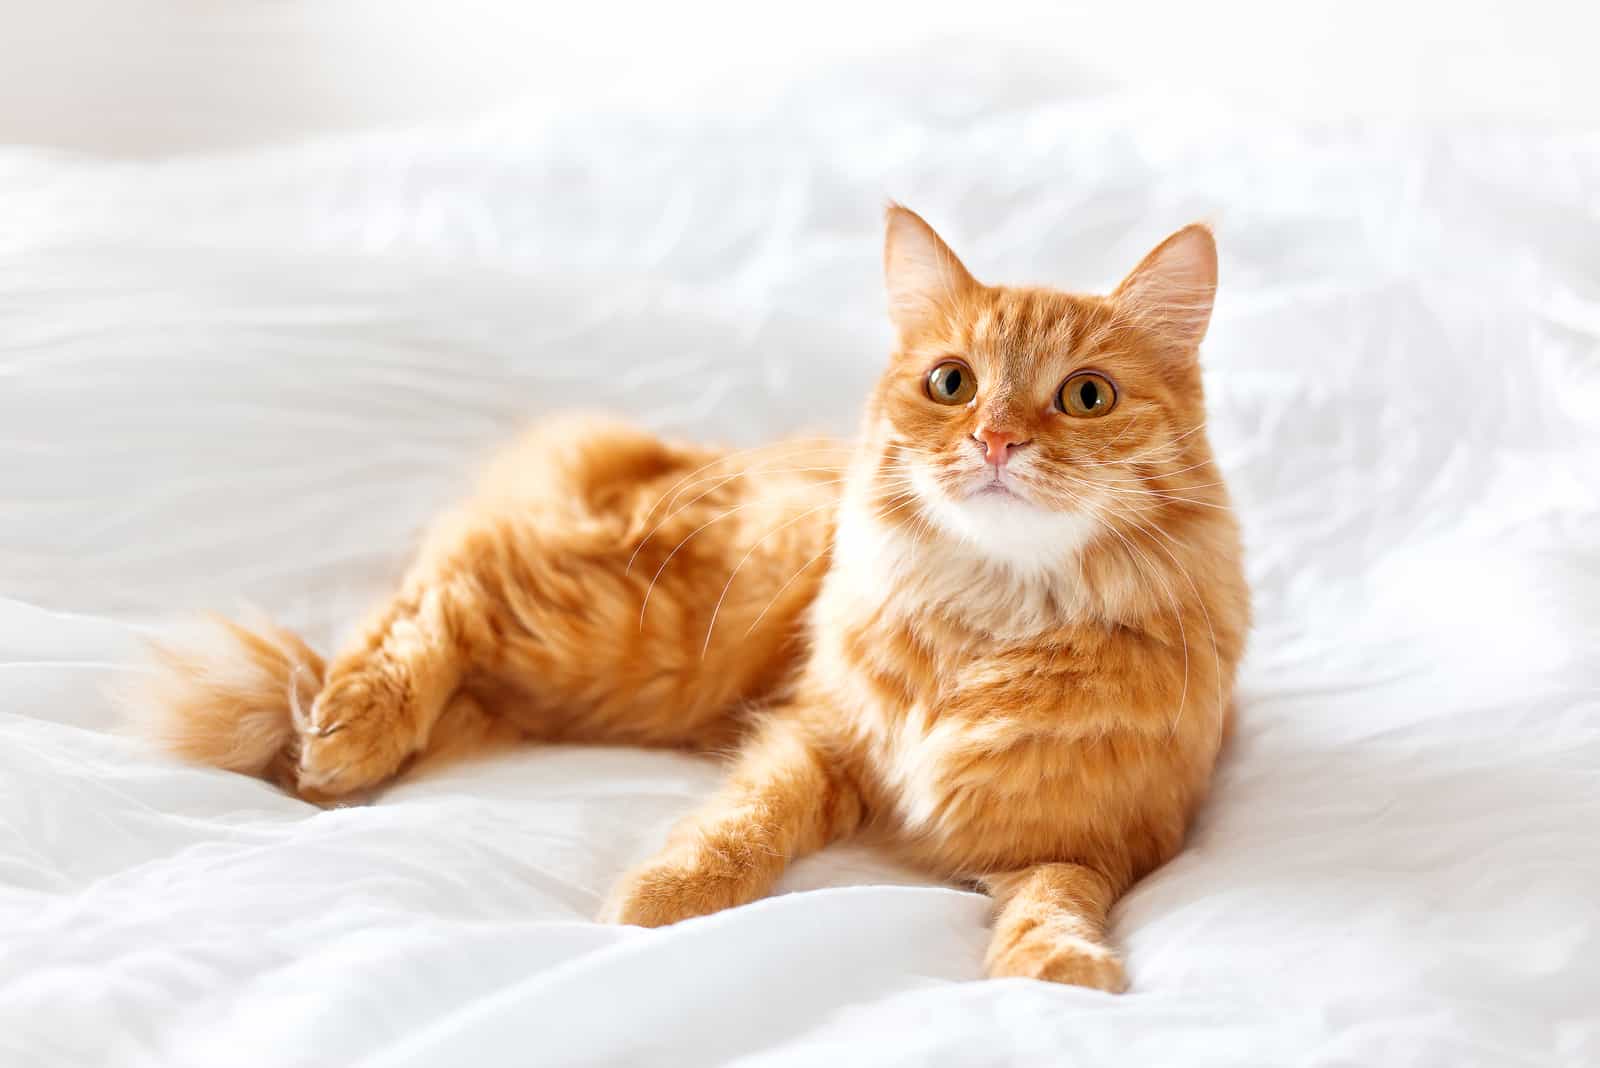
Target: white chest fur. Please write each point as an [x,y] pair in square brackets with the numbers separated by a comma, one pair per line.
[882,568]
[924,765]
[931,765]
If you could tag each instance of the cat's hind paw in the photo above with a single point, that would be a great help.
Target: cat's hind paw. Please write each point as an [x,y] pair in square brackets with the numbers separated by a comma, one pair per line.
[356,734]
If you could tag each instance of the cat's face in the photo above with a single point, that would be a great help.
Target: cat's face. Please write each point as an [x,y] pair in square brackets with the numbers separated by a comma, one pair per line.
[1027,422]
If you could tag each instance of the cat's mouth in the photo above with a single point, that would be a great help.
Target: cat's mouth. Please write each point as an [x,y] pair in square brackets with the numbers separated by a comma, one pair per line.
[996,488]
[997,485]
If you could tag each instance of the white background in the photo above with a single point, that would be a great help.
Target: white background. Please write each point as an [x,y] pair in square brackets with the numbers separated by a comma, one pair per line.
[152,76]
[250,371]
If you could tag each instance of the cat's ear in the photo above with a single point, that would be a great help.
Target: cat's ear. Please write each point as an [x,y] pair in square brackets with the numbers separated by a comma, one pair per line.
[924,278]
[1172,289]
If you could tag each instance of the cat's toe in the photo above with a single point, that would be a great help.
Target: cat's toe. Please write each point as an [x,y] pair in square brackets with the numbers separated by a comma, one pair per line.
[354,737]
[1049,956]
[668,891]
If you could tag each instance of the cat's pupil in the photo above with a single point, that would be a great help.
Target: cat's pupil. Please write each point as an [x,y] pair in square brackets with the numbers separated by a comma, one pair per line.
[1089,394]
[952,383]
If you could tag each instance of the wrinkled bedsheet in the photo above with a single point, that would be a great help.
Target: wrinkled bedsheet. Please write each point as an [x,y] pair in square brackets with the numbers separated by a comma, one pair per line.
[249,379]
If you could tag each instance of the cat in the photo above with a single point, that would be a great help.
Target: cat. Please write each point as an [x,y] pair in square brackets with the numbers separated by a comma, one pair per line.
[998,634]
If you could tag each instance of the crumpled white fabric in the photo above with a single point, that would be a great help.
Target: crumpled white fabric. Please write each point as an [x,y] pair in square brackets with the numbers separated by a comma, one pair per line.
[250,378]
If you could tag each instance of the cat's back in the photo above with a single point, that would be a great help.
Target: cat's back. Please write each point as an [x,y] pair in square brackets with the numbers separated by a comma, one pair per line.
[676,574]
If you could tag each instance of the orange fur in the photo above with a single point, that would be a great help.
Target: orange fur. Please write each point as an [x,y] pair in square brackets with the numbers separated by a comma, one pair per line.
[1017,678]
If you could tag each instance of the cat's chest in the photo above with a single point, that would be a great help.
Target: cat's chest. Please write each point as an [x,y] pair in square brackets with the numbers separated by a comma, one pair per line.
[963,736]
[943,777]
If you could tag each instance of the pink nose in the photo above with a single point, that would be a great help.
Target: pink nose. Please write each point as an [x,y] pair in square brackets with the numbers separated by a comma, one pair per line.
[997,444]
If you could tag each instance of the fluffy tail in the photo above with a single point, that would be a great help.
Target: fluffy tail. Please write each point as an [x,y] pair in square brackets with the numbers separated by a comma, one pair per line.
[232,698]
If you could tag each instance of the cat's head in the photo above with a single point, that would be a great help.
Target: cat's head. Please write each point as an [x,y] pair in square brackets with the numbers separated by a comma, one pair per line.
[1026,422]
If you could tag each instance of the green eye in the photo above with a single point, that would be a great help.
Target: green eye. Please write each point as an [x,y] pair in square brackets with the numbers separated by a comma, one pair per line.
[1087,395]
[952,382]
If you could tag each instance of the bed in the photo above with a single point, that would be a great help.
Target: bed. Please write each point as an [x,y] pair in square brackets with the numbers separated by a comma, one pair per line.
[248,379]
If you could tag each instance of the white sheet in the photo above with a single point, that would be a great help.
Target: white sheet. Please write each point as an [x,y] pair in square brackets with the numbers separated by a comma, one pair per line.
[250,378]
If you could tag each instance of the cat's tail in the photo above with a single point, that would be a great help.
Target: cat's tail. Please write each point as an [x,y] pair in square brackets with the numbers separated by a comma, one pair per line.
[230,698]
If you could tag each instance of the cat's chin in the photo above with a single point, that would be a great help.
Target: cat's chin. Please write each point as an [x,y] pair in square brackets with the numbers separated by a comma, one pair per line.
[1000,524]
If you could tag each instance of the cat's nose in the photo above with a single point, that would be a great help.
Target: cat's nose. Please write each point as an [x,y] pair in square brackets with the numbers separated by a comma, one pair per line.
[998,444]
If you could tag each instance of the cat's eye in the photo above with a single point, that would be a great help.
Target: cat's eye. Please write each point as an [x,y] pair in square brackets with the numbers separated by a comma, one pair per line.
[1087,395]
[952,382]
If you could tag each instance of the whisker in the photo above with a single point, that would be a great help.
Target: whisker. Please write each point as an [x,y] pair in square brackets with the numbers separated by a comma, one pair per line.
[725,479]
[1173,498]
[1152,450]
[715,611]
[1154,573]
[1216,657]
[810,445]
[734,455]
[1156,528]
[878,517]
[1101,451]
[645,604]
[1163,474]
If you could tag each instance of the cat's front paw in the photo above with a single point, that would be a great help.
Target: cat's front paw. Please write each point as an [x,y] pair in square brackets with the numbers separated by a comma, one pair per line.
[679,886]
[357,733]
[1056,957]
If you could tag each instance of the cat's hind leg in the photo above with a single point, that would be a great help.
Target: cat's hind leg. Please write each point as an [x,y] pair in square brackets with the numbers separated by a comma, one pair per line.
[384,694]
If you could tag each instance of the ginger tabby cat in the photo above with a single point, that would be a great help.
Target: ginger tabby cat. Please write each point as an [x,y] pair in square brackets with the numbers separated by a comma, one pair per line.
[998,634]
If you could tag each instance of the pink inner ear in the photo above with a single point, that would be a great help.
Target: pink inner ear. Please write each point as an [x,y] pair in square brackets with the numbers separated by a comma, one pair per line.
[1175,285]
[921,273]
